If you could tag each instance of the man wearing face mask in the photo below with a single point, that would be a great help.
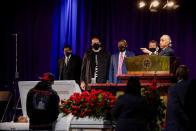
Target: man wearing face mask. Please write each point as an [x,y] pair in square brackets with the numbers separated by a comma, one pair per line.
[95,64]
[153,49]
[69,66]
[117,65]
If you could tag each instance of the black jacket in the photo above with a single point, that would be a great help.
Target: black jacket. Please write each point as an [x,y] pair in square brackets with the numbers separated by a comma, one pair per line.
[167,52]
[42,104]
[88,63]
[72,70]
[131,113]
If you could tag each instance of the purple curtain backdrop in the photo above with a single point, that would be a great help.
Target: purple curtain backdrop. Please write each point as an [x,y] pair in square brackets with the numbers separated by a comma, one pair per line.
[38,24]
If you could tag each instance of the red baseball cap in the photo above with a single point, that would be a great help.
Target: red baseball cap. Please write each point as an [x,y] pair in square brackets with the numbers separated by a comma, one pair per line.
[47,77]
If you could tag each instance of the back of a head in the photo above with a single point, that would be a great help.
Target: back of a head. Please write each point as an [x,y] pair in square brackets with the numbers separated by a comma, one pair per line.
[182,72]
[133,86]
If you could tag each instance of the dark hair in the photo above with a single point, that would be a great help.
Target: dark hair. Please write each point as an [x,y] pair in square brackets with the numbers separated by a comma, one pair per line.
[124,41]
[95,37]
[133,86]
[182,72]
[67,46]
[153,41]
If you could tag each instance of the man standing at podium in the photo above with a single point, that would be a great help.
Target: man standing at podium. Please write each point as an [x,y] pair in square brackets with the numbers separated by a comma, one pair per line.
[117,65]
[165,45]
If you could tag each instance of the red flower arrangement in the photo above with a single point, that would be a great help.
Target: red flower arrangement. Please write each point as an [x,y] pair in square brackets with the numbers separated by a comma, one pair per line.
[157,111]
[94,103]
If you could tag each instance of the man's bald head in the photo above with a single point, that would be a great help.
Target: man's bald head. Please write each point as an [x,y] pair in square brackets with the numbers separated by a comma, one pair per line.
[165,41]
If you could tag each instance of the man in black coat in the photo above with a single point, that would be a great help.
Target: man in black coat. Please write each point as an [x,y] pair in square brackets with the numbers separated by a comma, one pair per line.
[43,104]
[177,119]
[69,66]
[95,64]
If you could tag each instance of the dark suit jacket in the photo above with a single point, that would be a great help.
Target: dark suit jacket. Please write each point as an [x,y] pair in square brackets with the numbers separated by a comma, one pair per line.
[72,70]
[176,116]
[167,52]
[131,113]
[114,66]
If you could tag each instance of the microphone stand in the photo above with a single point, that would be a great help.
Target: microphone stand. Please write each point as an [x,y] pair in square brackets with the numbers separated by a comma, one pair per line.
[16,78]
[16,56]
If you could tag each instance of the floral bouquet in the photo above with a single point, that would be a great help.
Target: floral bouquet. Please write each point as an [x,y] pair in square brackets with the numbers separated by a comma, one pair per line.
[157,109]
[94,103]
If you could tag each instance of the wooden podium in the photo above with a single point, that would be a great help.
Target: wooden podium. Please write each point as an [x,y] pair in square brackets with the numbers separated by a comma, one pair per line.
[151,67]
[151,64]
[147,68]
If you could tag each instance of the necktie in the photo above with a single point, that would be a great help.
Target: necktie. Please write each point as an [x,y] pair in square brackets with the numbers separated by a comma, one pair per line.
[66,61]
[120,62]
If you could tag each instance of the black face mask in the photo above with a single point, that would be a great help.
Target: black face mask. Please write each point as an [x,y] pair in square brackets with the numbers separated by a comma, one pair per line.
[68,54]
[152,49]
[122,48]
[96,46]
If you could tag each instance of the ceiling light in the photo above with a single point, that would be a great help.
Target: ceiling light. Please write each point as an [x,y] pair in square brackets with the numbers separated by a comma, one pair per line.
[141,4]
[154,3]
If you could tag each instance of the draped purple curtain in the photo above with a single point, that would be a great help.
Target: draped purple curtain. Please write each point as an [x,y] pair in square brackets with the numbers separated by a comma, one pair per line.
[43,26]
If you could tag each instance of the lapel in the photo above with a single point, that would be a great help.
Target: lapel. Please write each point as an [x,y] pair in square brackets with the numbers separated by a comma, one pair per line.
[163,52]
[127,53]
[62,63]
[116,58]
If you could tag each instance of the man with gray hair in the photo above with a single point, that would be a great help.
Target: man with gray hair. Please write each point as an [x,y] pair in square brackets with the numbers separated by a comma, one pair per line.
[165,45]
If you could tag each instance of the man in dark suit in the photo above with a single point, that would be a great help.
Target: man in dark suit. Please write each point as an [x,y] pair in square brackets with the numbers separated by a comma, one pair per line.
[69,65]
[165,45]
[177,119]
[117,67]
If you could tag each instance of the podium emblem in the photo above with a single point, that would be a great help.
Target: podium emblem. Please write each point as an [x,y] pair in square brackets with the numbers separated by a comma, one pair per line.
[147,63]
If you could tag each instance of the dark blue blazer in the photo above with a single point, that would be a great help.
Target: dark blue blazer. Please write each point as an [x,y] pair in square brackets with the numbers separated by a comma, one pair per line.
[176,116]
[114,66]
[167,52]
